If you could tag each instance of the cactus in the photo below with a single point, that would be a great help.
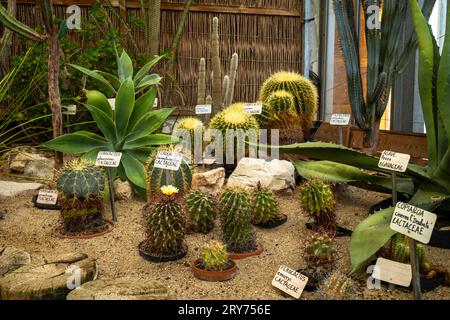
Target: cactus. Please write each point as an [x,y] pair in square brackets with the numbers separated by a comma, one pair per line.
[234,117]
[225,85]
[232,80]
[318,200]
[265,205]
[165,224]
[265,117]
[202,210]
[235,217]
[320,253]
[400,252]
[201,98]
[303,91]
[217,71]
[13,24]
[281,101]
[156,178]
[337,286]
[214,256]
[82,184]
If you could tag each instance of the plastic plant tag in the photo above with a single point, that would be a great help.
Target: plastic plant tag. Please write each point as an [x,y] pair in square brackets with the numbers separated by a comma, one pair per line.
[393,272]
[413,222]
[290,281]
[203,109]
[340,119]
[46,196]
[112,103]
[253,108]
[168,160]
[108,159]
[394,161]
[71,110]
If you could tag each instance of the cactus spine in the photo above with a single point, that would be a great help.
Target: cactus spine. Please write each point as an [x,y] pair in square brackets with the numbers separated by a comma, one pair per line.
[201,98]
[320,253]
[214,256]
[265,205]
[202,210]
[337,286]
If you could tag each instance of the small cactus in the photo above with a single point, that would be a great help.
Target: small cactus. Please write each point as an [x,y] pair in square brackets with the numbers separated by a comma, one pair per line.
[337,286]
[281,101]
[202,209]
[234,117]
[320,253]
[265,205]
[400,252]
[214,256]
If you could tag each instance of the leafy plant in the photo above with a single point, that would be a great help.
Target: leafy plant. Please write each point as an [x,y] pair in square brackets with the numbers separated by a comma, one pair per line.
[202,208]
[214,256]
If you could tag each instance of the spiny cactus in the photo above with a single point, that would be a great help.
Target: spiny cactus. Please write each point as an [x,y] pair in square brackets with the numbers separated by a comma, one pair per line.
[400,252]
[156,178]
[235,217]
[201,97]
[318,200]
[264,205]
[165,224]
[265,117]
[303,91]
[232,80]
[216,67]
[337,286]
[202,209]
[234,117]
[214,256]
[281,101]
[320,253]
[190,124]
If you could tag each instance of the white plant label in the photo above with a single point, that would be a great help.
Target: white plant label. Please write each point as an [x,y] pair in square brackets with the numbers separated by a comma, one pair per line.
[413,222]
[253,108]
[394,161]
[108,159]
[71,110]
[168,160]
[155,103]
[203,109]
[340,119]
[112,103]
[290,281]
[393,272]
[46,196]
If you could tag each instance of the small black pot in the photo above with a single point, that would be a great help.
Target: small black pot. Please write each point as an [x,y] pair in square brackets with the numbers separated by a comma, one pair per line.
[149,257]
[273,223]
[340,231]
[45,206]
[430,284]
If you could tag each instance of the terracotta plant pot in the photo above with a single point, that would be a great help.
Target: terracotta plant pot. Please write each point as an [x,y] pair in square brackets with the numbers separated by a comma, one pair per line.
[214,276]
[245,255]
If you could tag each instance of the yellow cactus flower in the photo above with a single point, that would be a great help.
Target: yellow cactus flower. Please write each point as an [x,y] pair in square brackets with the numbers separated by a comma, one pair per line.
[169,190]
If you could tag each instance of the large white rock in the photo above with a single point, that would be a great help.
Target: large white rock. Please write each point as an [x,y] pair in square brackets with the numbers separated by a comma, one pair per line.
[10,188]
[210,182]
[276,175]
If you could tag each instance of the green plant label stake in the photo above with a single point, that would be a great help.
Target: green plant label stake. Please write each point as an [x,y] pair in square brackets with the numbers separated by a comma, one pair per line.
[340,120]
[110,160]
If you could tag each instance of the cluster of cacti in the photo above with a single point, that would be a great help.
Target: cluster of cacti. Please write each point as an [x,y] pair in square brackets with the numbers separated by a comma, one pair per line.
[400,252]
[320,252]
[222,91]
[81,185]
[202,209]
[318,200]
[264,205]
[165,224]
[237,230]
[214,256]
[337,286]
[156,177]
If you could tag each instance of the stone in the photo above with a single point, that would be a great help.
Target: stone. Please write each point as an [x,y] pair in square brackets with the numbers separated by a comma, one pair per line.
[48,281]
[211,181]
[126,288]
[19,157]
[276,175]
[123,190]
[10,188]
[40,168]
[12,258]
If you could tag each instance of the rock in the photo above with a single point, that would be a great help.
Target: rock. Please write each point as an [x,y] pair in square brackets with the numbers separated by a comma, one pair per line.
[126,288]
[10,189]
[12,258]
[19,157]
[40,168]
[211,181]
[47,281]
[67,258]
[123,190]
[276,175]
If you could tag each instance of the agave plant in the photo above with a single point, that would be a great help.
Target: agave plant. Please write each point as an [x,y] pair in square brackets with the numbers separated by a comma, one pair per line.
[429,186]
[131,128]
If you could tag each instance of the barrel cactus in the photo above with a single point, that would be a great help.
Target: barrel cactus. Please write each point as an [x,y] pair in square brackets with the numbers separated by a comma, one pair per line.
[190,124]
[234,117]
[337,286]
[320,253]
[264,205]
[187,128]
[400,252]
[156,177]
[165,225]
[237,230]
[202,209]
[81,185]
[265,117]
[318,200]
[281,101]
[214,256]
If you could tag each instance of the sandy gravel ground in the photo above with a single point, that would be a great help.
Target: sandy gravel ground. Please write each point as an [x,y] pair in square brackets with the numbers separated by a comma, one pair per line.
[29,228]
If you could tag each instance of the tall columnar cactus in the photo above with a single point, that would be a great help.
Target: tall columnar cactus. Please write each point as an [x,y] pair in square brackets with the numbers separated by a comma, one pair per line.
[320,253]
[337,286]
[165,225]
[387,57]
[264,205]
[82,184]
[201,98]
[214,256]
[233,75]
[400,252]
[202,209]
[318,200]
[302,90]
[156,177]
[216,67]
[237,230]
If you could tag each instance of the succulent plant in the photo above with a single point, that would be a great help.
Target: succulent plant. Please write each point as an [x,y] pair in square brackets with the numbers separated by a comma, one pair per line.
[281,101]
[337,286]
[156,177]
[192,126]
[202,209]
[234,117]
[214,256]
[237,230]
[318,200]
[165,224]
[303,91]
[265,117]
[400,252]
[320,253]
[264,205]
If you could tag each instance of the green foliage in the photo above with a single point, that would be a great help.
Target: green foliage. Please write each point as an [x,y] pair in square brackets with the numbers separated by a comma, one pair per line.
[202,208]
[320,253]
[337,286]
[214,256]
[235,217]
[264,205]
